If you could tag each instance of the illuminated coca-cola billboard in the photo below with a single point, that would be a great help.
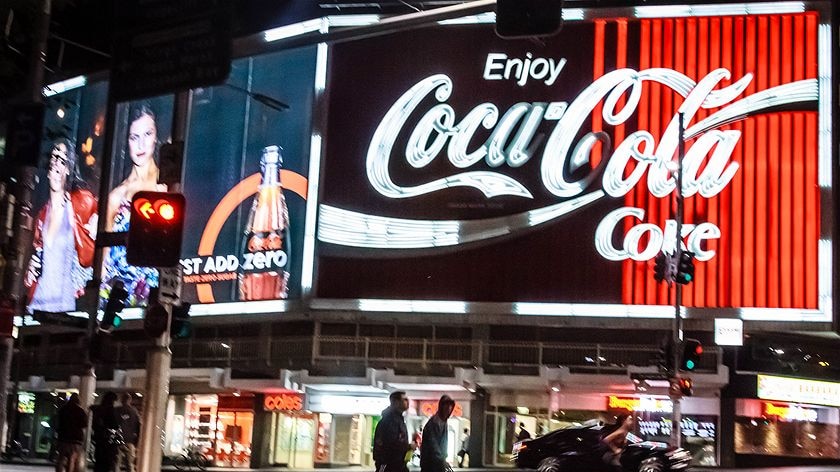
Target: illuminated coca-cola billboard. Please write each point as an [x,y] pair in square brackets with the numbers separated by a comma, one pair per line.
[462,167]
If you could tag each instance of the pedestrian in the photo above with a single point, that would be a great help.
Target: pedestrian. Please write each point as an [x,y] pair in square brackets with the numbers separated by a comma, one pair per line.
[523,433]
[70,434]
[106,434]
[435,440]
[465,447]
[129,421]
[390,440]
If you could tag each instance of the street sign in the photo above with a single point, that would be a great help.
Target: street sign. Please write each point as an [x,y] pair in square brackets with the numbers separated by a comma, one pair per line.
[23,146]
[729,332]
[170,285]
[184,44]
[60,319]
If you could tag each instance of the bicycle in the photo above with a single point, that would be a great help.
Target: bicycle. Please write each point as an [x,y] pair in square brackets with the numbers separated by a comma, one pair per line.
[191,459]
[14,450]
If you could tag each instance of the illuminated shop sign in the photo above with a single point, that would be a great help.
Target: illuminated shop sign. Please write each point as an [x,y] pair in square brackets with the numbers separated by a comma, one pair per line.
[562,156]
[788,412]
[26,403]
[646,403]
[347,405]
[795,390]
[690,428]
[283,402]
[429,408]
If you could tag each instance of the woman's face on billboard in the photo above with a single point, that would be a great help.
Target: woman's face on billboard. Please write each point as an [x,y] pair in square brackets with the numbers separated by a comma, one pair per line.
[142,139]
[58,169]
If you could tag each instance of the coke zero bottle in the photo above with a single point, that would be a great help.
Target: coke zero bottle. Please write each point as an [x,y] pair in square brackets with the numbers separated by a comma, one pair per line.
[264,267]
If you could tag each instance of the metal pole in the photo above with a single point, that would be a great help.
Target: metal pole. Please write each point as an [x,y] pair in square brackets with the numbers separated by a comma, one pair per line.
[22,236]
[676,338]
[159,358]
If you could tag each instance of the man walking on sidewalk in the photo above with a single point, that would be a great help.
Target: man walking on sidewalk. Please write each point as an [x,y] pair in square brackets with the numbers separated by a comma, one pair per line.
[435,441]
[72,423]
[390,440]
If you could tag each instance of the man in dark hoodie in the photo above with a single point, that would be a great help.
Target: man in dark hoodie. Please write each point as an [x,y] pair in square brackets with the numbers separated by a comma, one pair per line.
[390,440]
[72,423]
[435,439]
[129,421]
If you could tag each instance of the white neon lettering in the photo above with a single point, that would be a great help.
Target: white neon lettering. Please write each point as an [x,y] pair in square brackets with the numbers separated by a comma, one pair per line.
[658,240]
[515,138]
[544,69]
[491,64]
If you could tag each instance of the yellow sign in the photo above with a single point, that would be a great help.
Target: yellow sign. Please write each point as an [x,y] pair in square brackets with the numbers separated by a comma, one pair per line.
[645,403]
[790,389]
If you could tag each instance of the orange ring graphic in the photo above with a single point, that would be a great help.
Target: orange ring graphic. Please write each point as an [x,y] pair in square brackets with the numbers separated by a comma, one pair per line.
[228,204]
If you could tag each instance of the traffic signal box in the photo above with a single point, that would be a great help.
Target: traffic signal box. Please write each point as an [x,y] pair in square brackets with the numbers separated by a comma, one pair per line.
[692,350]
[181,326]
[113,307]
[685,268]
[681,387]
[528,18]
[156,229]
[661,271]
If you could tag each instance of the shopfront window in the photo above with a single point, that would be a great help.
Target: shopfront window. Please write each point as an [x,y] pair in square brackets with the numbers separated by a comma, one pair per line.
[778,428]
[218,426]
[294,439]
[507,426]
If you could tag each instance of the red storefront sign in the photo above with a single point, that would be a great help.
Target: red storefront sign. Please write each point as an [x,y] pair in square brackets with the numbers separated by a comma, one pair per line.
[429,408]
[283,402]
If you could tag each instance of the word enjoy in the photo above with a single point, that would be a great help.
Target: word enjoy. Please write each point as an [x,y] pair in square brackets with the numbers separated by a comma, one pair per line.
[499,67]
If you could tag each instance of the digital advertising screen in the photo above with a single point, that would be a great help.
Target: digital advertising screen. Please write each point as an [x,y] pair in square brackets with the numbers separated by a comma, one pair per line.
[65,200]
[141,127]
[245,180]
[459,166]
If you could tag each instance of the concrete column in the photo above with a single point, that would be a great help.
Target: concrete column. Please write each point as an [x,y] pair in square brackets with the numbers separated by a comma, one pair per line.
[261,444]
[478,407]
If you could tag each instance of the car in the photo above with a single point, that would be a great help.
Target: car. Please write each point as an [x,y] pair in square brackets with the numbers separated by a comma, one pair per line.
[582,449]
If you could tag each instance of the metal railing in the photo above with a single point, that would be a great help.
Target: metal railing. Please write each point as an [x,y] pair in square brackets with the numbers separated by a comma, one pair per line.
[581,357]
[304,351]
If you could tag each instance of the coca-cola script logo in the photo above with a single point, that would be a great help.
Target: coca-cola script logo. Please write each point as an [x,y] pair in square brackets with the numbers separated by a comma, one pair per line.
[708,166]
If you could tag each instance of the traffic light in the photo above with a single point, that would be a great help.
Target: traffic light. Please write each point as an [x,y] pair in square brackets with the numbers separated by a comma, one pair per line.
[96,348]
[686,387]
[663,268]
[114,305]
[685,267]
[155,229]
[665,358]
[692,349]
[155,319]
[181,326]
[528,18]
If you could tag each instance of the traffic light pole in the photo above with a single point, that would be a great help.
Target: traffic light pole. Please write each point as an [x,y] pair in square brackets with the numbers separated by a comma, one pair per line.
[676,333]
[159,357]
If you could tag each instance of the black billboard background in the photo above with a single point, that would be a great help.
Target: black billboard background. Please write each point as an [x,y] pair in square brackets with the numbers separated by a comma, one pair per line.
[556,262]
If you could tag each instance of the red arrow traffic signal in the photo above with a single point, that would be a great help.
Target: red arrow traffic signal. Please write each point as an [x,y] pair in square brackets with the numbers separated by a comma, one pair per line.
[155,230]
